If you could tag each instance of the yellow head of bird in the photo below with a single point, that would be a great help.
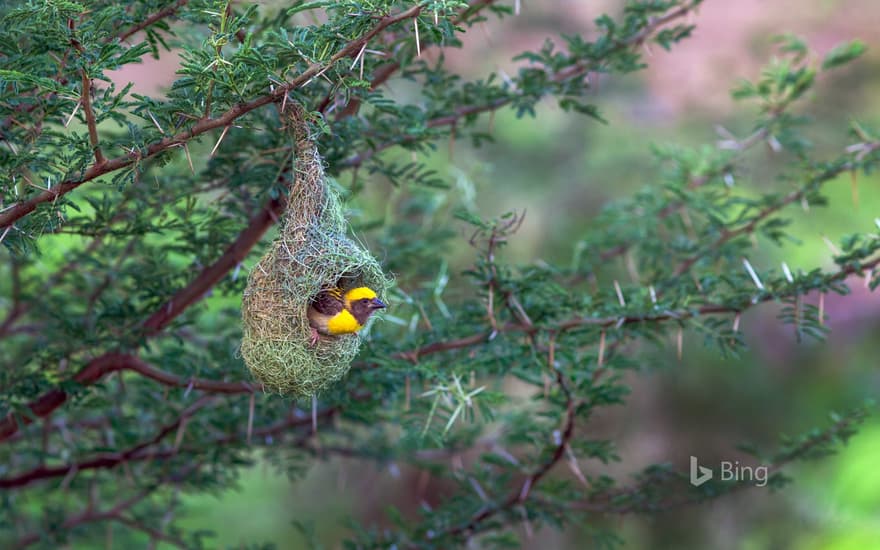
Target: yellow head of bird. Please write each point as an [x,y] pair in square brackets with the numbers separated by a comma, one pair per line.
[364,296]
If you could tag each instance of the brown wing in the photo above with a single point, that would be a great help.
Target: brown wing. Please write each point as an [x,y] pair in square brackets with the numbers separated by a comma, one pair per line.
[328,302]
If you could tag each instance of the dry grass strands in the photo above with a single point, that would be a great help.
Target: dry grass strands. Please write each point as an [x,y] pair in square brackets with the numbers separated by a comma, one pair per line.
[311,253]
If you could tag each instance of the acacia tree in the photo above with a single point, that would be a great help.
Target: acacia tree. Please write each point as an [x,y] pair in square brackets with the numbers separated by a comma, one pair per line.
[126,220]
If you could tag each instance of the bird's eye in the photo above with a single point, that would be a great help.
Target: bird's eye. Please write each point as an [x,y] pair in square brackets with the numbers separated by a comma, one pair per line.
[364,300]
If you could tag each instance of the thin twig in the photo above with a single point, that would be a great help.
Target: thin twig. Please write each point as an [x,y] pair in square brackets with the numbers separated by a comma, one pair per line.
[21,209]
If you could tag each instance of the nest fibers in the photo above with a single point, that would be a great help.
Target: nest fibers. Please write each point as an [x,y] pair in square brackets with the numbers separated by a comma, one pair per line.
[311,253]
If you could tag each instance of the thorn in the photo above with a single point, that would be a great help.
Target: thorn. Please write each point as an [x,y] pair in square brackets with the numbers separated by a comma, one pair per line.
[736,321]
[601,359]
[724,133]
[73,114]
[181,428]
[222,135]
[653,294]
[5,231]
[358,57]
[788,276]
[156,122]
[574,467]
[418,45]
[527,525]
[679,341]
[822,308]
[619,293]
[834,249]
[631,267]
[753,275]
[478,489]
[188,158]
[697,282]
[526,488]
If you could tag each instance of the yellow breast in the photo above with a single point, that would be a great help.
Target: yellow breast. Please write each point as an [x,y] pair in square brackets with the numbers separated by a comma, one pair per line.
[343,323]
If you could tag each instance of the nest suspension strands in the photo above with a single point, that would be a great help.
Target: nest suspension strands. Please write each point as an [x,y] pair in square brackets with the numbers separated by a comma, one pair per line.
[311,253]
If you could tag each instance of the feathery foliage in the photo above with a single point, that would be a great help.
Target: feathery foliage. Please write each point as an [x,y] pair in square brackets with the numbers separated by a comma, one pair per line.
[128,223]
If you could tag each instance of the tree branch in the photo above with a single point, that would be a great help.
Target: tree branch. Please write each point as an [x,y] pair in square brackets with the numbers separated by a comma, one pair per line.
[575,71]
[161,14]
[521,495]
[100,367]
[144,451]
[21,209]
[766,212]
[91,515]
[211,275]
[621,320]
[383,73]
[90,118]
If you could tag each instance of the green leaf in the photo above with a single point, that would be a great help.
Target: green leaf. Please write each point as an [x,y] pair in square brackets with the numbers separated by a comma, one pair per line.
[843,53]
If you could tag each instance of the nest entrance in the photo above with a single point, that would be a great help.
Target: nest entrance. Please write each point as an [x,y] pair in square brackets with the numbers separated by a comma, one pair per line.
[311,253]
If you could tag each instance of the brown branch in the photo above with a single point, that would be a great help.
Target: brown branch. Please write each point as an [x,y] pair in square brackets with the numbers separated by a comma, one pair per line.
[449,120]
[521,495]
[144,451]
[108,363]
[86,100]
[91,122]
[575,71]
[161,14]
[621,320]
[616,501]
[21,209]
[767,211]
[70,267]
[383,73]
[63,81]
[90,515]
[102,461]
[211,275]
[107,460]
[100,367]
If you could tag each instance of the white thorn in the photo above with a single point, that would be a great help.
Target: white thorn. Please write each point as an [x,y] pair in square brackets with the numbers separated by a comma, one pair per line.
[754,275]
[619,293]
[788,276]
[418,46]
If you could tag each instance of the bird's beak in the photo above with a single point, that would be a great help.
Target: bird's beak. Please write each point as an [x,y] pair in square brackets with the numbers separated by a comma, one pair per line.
[377,303]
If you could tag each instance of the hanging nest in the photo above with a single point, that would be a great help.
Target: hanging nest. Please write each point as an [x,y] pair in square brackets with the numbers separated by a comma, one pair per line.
[311,253]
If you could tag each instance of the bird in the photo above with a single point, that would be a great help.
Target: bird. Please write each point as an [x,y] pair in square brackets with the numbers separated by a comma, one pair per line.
[335,311]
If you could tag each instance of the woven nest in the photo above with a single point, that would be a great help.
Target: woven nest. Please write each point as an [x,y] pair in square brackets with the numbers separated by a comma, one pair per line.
[311,253]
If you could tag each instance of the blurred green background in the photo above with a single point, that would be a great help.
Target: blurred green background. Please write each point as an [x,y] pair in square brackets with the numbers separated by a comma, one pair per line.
[563,169]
